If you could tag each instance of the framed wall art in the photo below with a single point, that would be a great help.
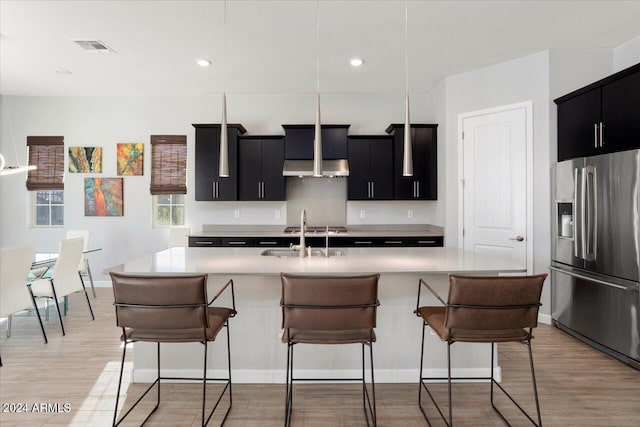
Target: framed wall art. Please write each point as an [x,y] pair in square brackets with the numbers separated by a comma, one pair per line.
[85,159]
[103,197]
[130,157]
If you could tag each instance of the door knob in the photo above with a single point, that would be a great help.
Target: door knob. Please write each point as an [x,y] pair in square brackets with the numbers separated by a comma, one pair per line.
[518,238]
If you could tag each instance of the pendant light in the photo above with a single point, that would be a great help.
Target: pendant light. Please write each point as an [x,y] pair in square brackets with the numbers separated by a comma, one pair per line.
[317,137]
[407,157]
[223,160]
[9,170]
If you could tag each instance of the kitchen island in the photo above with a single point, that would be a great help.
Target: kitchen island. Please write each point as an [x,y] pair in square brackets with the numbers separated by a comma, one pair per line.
[258,356]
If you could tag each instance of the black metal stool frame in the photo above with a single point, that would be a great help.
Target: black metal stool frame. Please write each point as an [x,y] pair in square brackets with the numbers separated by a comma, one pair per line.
[204,379]
[368,403]
[491,378]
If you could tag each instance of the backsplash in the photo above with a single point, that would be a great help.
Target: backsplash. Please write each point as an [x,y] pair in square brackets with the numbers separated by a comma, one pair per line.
[323,198]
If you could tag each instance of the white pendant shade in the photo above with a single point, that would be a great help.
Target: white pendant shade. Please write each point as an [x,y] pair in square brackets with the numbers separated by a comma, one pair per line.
[223,163]
[317,143]
[407,155]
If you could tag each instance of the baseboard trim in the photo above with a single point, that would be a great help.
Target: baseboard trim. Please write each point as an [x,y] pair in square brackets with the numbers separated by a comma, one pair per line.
[99,283]
[277,376]
[544,318]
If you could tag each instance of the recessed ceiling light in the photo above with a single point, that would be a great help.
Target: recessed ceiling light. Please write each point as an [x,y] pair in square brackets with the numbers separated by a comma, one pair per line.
[356,62]
[203,62]
[62,71]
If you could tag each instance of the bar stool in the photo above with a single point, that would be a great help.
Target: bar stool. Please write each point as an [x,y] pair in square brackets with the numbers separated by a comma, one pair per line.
[170,309]
[482,310]
[330,310]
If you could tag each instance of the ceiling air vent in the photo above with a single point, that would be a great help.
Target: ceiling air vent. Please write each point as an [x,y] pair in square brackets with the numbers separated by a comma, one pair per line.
[94,46]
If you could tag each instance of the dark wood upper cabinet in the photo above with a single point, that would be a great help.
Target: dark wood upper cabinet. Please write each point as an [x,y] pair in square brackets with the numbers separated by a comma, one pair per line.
[209,186]
[621,113]
[423,185]
[260,163]
[299,142]
[602,117]
[370,168]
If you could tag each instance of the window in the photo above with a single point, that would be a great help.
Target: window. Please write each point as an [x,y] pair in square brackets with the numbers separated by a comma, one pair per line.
[169,210]
[47,180]
[47,154]
[48,208]
[168,178]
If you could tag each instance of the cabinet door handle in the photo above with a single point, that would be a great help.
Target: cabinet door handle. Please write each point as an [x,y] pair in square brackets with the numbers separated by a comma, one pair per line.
[259,193]
[237,242]
[368,189]
[263,189]
[269,242]
[204,242]
[393,242]
[373,193]
[601,134]
[362,242]
[595,135]
[426,242]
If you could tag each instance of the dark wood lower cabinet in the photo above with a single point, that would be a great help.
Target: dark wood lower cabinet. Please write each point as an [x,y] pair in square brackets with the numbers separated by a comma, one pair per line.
[317,241]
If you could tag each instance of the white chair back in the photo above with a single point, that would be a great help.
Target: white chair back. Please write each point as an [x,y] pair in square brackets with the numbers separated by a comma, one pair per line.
[179,236]
[15,264]
[65,272]
[73,234]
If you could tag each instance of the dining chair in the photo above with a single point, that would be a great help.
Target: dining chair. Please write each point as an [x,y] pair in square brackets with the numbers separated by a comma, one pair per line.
[330,310]
[83,266]
[171,308]
[482,309]
[65,278]
[15,295]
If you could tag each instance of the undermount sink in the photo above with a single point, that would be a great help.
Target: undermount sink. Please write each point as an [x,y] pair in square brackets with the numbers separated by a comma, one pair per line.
[291,253]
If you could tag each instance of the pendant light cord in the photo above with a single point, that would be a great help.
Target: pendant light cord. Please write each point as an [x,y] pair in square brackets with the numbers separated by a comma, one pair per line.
[318,47]
[10,126]
[224,49]
[406,49]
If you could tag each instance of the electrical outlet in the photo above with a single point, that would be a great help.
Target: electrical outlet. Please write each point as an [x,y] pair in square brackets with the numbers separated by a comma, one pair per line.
[277,213]
[236,213]
[410,213]
[363,213]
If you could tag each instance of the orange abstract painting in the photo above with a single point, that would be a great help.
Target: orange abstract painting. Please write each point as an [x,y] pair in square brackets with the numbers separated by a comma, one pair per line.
[103,197]
[130,158]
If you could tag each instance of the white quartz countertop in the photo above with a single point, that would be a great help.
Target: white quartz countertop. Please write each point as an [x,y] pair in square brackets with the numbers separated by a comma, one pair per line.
[248,261]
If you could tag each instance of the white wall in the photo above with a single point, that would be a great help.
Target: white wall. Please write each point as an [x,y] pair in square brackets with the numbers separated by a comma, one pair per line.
[105,121]
[627,54]
[523,79]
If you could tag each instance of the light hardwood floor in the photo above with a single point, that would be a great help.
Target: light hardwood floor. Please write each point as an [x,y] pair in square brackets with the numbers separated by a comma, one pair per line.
[578,386]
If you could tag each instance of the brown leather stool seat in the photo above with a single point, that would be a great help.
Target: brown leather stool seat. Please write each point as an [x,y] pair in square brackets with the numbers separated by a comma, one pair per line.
[171,309]
[330,310]
[482,310]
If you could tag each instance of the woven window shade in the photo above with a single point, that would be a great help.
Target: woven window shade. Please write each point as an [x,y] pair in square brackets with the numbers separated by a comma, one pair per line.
[47,153]
[168,164]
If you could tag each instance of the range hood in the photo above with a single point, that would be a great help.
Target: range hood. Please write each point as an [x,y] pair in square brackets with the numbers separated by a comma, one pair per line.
[303,168]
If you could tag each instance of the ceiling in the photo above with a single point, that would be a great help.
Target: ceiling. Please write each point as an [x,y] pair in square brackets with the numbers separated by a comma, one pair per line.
[271,46]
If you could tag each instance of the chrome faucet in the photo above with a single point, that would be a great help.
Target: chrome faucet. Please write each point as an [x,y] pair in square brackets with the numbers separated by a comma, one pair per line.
[303,229]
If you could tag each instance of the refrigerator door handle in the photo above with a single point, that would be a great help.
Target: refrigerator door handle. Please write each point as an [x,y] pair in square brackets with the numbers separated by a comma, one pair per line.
[583,210]
[591,279]
[577,247]
[589,179]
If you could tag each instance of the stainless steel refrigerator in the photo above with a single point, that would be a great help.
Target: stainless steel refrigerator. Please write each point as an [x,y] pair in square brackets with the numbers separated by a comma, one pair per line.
[595,252]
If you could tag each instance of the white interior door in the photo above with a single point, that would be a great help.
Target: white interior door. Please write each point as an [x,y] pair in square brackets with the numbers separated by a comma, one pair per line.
[494,186]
